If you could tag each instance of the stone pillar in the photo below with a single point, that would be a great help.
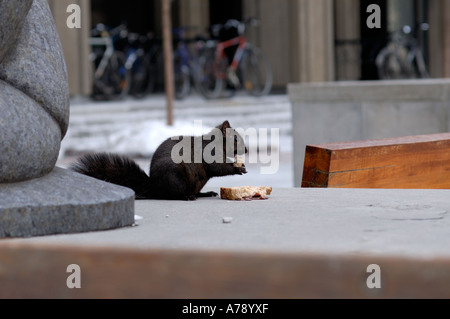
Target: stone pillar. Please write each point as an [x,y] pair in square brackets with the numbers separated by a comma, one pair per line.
[194,13]
[75,43]
[348,37]
[312,36]
[439,38]
[271,35]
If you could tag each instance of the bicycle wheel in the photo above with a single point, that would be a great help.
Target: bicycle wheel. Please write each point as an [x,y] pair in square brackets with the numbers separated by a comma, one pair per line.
[114,80]
[257,76]
[209,80]
[391,63]
[142,78]
[182,77]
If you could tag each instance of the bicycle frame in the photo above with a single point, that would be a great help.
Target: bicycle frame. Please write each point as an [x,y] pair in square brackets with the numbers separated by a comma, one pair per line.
[241,41]
[109,49]
[411,64]
[228,63]
[183,51]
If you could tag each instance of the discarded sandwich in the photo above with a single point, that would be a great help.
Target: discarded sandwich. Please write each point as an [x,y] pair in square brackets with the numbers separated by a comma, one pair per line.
[245,192]
[239,160]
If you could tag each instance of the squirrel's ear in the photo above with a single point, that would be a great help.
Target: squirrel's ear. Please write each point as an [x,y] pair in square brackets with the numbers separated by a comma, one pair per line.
[223,127]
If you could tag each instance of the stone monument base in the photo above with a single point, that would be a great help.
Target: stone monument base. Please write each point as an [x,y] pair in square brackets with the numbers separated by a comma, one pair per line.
[63,202]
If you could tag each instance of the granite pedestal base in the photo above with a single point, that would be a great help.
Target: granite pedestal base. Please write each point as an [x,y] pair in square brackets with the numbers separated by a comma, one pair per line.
[63,202]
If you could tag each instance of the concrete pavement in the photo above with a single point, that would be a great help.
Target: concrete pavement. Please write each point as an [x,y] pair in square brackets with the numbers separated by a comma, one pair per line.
[409,223]
[298,243]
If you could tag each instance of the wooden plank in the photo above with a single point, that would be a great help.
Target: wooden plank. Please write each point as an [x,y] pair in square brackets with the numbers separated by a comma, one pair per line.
[40,271]
[421,161]
[316,167]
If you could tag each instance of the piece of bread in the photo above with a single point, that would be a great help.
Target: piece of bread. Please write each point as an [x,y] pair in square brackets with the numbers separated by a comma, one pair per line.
[239,161]
[245,192]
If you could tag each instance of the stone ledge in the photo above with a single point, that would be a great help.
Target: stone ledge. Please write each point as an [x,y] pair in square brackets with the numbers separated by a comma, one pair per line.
[300,243]
[39,271]
[357,91]
[63,202]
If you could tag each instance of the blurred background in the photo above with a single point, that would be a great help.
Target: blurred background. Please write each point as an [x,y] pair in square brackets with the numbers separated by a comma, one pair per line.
[303,41]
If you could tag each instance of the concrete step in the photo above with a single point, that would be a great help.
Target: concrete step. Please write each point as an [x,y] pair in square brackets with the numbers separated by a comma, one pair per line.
[299,243]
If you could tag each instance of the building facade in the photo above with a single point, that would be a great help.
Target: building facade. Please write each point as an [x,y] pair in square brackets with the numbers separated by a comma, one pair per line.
[305,40]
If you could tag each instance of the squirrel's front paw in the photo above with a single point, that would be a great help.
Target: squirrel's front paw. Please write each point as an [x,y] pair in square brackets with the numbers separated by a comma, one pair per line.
[240,170]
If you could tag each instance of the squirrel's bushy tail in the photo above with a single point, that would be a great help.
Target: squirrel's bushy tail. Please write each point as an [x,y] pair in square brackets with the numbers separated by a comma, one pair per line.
[116,169]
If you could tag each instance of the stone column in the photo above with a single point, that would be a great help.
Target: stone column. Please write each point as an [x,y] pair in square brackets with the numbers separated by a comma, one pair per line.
[272,35]
[312,36]
[75,43]
[439,38]
[348,46]
[194,13]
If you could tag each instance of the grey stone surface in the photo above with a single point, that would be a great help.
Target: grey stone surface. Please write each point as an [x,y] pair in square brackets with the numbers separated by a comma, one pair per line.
[350,111]
[34,94]
[12,17]
[35,197]
[330,221]
[30,138]
[63,202]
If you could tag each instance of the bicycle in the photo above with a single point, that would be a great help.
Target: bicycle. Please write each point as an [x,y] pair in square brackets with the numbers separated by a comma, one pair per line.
[185,62]
[110,75]
[228,59]
[138,64]
[402,58]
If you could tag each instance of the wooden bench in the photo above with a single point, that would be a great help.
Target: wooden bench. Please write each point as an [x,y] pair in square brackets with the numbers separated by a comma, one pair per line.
[421,161]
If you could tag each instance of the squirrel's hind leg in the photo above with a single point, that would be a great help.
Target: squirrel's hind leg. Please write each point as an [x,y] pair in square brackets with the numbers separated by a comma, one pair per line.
[190,197]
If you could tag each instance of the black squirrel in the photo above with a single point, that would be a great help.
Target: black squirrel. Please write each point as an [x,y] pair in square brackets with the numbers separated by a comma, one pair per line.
[169,179]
